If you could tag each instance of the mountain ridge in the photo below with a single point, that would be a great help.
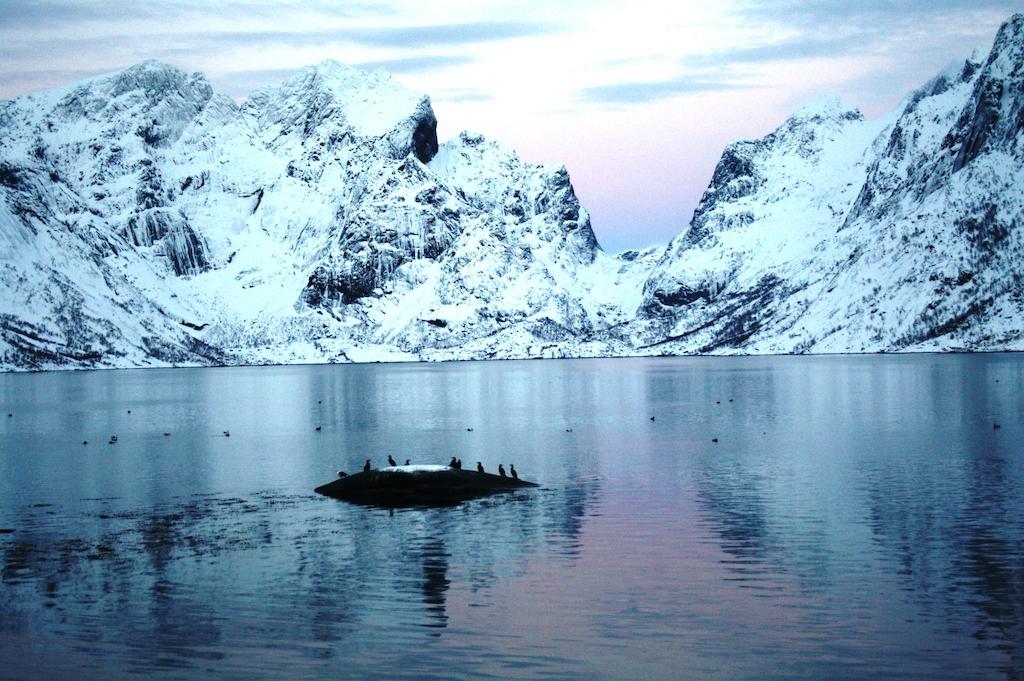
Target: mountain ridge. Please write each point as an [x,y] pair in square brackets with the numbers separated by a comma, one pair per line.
[891,243]
[146,220]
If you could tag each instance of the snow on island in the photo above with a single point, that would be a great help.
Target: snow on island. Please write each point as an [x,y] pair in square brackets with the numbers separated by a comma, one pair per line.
[415,468]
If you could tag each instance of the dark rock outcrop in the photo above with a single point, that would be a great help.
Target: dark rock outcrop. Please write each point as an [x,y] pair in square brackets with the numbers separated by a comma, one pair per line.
[397,487]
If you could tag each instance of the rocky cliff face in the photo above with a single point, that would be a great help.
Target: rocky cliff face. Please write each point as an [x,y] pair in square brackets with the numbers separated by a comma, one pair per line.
[147,220]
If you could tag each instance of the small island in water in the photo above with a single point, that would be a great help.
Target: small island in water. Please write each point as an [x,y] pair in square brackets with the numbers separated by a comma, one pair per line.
[418,485]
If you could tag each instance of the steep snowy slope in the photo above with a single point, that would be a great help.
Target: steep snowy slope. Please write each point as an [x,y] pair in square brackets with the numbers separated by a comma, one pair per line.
[146,220]
[83,221]
[836,234]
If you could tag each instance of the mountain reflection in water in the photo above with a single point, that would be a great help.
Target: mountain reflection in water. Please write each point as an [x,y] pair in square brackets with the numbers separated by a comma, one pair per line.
[857,517]
[163,581]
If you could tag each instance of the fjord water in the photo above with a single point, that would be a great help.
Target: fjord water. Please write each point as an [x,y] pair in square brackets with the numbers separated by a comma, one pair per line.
[858,517]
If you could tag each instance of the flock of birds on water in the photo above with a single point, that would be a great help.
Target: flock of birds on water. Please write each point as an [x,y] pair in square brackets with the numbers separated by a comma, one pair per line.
[391,461]
[454,463]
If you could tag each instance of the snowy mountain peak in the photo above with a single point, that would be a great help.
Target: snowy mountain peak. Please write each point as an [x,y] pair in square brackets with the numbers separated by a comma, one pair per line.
[1011,35]
[337,102]
[994,118]
[814,125]
[827,108]
[150,87]
[152,101]
[153,221]
[155,78]
[955,74]
[836,234]
[375,90]
[797,144]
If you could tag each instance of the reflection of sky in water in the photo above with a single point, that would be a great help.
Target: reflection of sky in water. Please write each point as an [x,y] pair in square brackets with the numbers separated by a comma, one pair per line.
[858,516]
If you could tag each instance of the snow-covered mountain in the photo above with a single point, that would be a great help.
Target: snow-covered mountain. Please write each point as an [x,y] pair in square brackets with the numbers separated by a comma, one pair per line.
[146,220]
[837,234]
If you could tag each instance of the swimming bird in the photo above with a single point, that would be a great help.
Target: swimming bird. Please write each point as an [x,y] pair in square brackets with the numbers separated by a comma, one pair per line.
[652,418]
[996,425]
[366,466]
[714,439]
[512,470]
[85,442]
[318,428]
[501,471]
[227,434]
[391,461]
[469,430]
[167,434]
[479,467]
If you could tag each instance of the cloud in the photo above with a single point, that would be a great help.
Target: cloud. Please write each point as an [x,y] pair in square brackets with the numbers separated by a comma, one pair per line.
[15,14]
[209,42]
[381,36]
[803,47]
[415,64]
[448,34]
[15,83]
[841,28]
[404,37]
[463,95]
[18,15]
[873,15]
[812,29]
[642,92]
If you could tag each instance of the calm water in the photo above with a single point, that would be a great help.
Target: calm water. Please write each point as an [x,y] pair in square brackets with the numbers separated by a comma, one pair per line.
[859,517]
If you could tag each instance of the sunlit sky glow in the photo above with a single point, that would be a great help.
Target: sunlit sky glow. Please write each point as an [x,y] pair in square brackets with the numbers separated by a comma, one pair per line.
[636,98]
